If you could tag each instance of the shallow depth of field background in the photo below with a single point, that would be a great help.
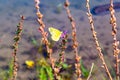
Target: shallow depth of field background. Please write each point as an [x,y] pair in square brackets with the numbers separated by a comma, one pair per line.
[54,15]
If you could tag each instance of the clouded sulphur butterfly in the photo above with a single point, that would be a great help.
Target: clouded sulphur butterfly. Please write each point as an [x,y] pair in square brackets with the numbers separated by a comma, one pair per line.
[55,33]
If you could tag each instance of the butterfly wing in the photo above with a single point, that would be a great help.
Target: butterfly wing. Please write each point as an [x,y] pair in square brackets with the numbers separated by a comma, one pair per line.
[55,33]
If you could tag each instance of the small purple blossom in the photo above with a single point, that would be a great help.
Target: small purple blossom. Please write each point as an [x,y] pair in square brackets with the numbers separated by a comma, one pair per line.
[64,33]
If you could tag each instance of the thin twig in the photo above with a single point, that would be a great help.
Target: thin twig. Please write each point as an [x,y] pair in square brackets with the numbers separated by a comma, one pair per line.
[90,71]
[74,38]
[15,47]
[45,40]
[63,47]
[96,40]
[116,50]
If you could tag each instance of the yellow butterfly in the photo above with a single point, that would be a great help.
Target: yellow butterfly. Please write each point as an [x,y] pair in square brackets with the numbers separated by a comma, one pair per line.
[29,63]
[55,33]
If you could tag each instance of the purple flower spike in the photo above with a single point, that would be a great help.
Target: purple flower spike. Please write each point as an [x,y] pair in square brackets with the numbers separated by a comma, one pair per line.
[64,33]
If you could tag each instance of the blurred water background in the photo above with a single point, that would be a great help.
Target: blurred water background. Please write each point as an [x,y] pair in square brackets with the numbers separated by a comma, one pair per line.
[54,15]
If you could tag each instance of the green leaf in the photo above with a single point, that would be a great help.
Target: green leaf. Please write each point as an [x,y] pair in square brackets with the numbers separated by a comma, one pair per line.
[34,41]
[65,66]
[18,31]
[43,75]
[49,72]
[85,72]
[16,39]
